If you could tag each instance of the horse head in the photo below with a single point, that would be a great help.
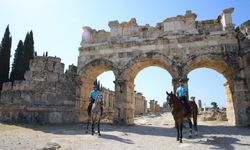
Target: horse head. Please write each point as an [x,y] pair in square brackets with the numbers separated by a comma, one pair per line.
[170,98]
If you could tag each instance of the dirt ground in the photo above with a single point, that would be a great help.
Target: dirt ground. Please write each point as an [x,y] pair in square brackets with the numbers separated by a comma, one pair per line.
[152,132]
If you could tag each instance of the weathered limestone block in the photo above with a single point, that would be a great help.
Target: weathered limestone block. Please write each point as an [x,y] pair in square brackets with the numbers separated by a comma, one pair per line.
[123,29]
[41,63]
[208,26]
[92,36]
[245,29]
[181,24]
[7,86]
[55,117]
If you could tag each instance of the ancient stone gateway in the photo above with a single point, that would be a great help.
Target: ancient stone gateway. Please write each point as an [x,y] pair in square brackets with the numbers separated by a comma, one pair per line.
[179,45]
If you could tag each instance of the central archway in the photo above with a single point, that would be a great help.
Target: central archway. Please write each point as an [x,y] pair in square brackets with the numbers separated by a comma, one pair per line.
[135,66]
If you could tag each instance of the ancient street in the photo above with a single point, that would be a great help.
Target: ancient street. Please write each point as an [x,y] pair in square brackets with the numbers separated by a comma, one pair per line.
[152,132]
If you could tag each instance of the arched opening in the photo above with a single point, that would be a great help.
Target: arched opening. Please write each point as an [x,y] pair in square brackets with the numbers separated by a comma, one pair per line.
[223,77]
[135,66]
[207,86]
[106,80]
[91,72]
[151,85]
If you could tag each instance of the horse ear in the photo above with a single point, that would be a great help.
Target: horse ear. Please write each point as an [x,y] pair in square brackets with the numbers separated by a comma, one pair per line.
[167,93]
[171,92]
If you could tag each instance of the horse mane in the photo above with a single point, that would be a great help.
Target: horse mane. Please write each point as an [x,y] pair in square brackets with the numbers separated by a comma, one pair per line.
[176,98]
[97,103]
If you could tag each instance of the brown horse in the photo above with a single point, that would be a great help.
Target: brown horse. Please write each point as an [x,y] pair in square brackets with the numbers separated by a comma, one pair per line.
[179,113]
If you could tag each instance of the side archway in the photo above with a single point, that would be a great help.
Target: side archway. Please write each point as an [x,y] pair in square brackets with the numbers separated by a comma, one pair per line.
[88,75]
[221,66]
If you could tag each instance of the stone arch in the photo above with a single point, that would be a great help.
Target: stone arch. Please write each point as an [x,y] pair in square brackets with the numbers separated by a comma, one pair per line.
[142,61]
[88,74]
[220,65]
[133,67]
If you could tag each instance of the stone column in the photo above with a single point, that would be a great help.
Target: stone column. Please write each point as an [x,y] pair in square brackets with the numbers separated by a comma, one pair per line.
[230,105]
[152,105]
[145,106]
[124,102]
[241,104]
[226,19]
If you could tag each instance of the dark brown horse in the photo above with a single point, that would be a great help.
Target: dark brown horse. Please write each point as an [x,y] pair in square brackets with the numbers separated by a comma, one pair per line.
[179,113]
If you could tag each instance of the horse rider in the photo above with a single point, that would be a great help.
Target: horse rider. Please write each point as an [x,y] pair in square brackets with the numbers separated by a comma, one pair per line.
[93,96]
[182,93]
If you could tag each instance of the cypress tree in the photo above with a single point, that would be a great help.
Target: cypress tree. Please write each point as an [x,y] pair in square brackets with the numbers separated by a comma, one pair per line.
[18,69]
[5,57]
[28,49]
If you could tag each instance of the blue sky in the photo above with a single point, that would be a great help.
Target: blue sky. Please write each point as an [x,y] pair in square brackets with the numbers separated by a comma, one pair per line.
[56,25]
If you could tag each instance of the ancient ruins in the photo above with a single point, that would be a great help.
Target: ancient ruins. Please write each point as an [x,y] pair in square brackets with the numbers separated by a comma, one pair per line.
[178,44]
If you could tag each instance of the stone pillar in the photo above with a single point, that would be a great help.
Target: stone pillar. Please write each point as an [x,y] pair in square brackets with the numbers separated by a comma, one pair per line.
[241,103]
[199,104]
[145,106]
[226,19]
[124,102]
[230,105]
[152,105]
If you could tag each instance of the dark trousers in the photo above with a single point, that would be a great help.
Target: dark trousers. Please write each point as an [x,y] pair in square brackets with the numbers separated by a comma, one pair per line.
[90,107]
[184,101]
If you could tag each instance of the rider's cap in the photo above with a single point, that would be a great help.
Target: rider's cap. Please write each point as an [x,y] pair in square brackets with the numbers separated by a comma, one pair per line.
[180,80]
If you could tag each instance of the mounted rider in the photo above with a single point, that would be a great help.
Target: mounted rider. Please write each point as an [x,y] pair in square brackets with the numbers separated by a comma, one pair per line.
[93,96]
[182,94]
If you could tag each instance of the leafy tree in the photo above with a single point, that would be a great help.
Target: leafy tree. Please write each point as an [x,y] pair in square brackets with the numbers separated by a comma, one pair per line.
[5,56]
[18,69]
[214,105]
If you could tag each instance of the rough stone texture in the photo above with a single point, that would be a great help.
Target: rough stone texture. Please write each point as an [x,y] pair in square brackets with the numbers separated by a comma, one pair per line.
[178,44]
[47,95]
[212,115]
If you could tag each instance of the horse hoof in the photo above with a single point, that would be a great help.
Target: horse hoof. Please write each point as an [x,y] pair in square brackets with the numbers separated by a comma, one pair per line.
[177,139]
[180,141]
[196,133]
[99,134]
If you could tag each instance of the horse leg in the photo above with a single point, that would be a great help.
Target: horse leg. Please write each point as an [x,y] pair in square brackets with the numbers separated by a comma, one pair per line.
[88,122]
[98,126]
[181,127]
[93,126]
[195,126]
[190,127]
[178,133]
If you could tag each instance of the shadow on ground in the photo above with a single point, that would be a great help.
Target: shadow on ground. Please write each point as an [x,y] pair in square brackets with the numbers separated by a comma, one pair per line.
[218,137]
